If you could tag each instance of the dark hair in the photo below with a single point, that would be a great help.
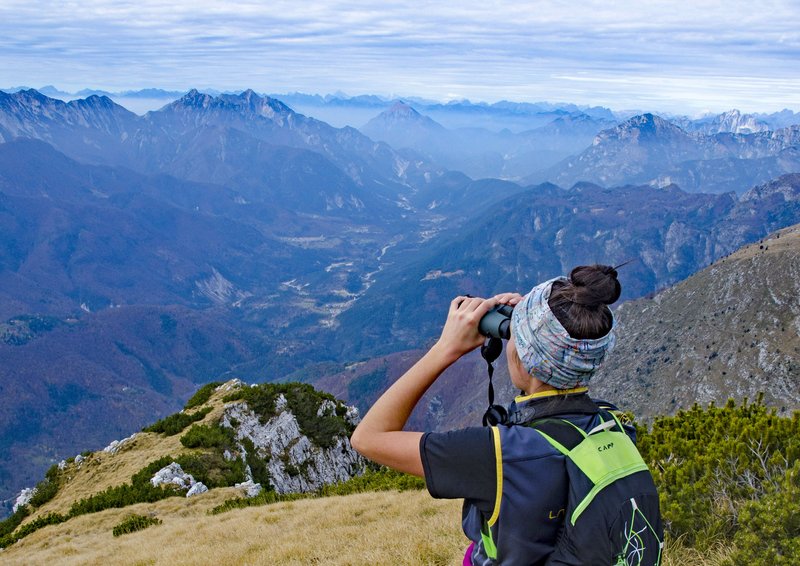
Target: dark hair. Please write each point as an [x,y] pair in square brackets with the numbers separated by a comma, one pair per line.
[579,304]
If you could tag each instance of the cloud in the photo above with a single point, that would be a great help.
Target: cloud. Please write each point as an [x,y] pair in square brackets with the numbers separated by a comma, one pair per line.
[676,54]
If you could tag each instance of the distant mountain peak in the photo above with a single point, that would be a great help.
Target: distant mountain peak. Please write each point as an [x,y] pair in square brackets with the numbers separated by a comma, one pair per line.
[402,110]
[247,102]
[194,99]
[399,116]
[644,127]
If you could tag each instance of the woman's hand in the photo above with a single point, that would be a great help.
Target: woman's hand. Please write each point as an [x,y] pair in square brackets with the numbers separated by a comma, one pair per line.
[460,333]
[380,435]
[512,299]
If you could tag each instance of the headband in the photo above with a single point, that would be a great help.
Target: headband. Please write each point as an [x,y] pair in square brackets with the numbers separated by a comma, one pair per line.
[546,349]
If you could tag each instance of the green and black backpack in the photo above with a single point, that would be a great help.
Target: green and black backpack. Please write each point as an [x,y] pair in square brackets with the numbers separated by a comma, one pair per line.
[612,516]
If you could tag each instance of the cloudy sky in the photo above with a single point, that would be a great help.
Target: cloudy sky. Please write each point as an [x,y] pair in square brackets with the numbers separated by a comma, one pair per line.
[670,56]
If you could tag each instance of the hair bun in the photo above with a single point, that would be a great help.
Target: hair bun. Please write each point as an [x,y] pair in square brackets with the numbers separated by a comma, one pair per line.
[594,285]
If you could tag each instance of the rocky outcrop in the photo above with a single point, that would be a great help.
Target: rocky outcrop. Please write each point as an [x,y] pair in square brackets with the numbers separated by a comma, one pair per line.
[250,488]
[23,498]
[173,474]
[116,445]
[295,462]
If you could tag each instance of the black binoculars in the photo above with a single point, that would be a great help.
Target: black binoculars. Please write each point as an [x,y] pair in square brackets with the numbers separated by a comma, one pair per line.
[497,322]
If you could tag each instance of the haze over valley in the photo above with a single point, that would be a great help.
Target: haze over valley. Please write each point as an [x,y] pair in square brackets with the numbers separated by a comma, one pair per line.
[231,235]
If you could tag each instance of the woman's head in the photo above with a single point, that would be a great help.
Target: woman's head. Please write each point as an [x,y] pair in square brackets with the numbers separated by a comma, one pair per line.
[563,328]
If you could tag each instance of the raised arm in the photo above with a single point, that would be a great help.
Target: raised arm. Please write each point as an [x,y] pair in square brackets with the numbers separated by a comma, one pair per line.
[380,435]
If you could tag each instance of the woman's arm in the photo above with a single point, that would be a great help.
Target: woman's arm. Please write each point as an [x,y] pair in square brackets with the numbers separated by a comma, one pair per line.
[380,436]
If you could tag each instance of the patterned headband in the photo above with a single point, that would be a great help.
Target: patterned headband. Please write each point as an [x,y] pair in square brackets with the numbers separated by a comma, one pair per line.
[547,350]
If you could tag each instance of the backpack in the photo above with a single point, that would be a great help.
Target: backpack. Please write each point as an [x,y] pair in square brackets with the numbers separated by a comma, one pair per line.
[612,516]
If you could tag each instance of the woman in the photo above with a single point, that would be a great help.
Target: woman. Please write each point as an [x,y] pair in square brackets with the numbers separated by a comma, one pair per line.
[513,481]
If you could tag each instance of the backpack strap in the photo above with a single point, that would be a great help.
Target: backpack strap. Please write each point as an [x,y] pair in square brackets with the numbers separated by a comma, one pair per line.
[563,435]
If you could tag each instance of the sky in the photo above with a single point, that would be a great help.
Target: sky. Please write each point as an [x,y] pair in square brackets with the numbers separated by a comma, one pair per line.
[669,56]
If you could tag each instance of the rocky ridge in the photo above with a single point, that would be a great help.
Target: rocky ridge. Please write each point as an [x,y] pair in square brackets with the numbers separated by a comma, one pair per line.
[730,331]
[272,447]
[650,149]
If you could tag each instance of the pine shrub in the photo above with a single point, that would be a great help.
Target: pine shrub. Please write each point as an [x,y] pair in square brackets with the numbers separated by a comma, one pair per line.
[209,436]
[134,523]
[7,526]
[173,424]
[202,395]
[769,528]
[212,469]
[711,465]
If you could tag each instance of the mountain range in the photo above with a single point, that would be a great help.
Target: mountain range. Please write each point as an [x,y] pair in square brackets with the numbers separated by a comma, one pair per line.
[229,235]
[650,149]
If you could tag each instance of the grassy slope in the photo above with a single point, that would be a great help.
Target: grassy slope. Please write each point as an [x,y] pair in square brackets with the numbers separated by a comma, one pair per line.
[374,528]
[384,528]
[101,470]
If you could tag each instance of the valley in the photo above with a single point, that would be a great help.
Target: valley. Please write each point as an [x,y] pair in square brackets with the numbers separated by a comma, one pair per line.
[230,235]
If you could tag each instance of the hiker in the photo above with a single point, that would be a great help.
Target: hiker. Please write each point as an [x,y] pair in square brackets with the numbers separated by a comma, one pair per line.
[527,496]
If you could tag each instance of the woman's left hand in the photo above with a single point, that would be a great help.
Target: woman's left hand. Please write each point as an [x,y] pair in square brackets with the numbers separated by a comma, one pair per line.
[512,299]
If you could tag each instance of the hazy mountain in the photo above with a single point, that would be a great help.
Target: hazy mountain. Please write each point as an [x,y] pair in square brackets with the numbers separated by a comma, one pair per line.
[730,331]
[221,139]
[143,254]
[481,152]
[650,149]
[733,122]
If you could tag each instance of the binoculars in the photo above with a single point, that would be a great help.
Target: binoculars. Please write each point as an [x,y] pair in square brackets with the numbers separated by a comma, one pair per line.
[497,322]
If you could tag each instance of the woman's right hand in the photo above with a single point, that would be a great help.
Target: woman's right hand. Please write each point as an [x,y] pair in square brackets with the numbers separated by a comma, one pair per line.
[460,333]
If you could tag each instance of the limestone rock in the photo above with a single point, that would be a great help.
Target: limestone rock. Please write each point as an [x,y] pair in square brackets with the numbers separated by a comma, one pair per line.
[196,489]
[295,463]
[115,445]
[251,489]
[173,474]
[23,498]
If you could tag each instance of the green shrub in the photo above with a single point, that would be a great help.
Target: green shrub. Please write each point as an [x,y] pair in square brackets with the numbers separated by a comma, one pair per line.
[209,436]
[8,525]
[381,479]
[134,523]
[769,528]
[710,463]
[28,528]
[259,468]
[213,469]
[202,395]
[140,490]
[121,496]
[263,498]
[45,491]
[174,424]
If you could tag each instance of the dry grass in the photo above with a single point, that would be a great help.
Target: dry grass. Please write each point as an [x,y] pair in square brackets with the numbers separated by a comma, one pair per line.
[385,528]
[102,470]
[676,554]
